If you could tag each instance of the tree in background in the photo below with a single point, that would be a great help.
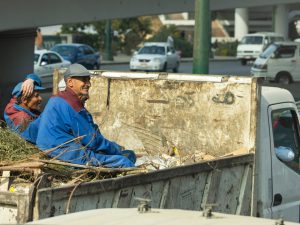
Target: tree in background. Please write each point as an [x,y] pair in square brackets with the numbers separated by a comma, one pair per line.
[180,43]
[133,31]
[79,34]
[128,33]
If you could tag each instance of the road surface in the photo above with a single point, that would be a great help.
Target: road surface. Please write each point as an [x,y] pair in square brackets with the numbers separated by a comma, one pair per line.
[226,67]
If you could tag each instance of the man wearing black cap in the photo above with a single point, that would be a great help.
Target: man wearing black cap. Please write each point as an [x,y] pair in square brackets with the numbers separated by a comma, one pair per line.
[68,132]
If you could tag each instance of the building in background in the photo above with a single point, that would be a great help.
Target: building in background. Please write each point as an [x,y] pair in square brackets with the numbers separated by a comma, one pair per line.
[226,25]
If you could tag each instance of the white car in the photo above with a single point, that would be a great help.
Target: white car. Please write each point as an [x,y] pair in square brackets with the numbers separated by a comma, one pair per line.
[155,56]
[45,62]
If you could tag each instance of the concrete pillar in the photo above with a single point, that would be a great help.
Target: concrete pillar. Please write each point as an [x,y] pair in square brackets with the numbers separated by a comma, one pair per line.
[16,60]
[240,23]
[280,18]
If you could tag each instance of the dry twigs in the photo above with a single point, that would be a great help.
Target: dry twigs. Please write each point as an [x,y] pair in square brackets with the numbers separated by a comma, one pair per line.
[24,160]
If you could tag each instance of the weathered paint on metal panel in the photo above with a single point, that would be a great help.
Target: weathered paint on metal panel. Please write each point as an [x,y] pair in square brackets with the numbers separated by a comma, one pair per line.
[184,192]
[156,193]
[186,187]
[15,207]
[213,115]
[213,118]
[244,206]
[229,189]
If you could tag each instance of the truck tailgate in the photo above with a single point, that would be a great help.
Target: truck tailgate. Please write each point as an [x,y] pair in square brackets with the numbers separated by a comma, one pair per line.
[225,182]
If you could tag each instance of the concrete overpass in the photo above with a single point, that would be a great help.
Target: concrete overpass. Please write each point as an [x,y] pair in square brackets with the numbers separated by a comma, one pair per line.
[19,19]
[16,14]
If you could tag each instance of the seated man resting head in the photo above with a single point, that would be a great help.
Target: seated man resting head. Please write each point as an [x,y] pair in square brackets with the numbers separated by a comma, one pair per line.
[24,107]
[67,131]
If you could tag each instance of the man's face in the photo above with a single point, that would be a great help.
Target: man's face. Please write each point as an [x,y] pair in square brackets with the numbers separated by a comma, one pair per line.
[34,101]
[80,85]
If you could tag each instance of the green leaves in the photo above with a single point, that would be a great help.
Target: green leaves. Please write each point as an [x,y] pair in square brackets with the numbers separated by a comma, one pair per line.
[13,147]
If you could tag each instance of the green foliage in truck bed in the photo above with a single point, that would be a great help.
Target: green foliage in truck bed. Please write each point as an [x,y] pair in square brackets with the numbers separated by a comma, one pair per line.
[22,159]
[13,147]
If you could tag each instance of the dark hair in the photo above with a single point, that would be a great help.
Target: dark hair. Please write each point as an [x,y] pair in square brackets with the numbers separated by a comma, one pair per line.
[19,98]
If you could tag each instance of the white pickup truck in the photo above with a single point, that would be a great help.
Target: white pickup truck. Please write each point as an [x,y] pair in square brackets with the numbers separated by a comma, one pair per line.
[225,129]
[252,45]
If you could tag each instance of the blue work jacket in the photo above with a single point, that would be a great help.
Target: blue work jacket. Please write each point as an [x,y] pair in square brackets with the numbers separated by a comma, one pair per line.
[67,132]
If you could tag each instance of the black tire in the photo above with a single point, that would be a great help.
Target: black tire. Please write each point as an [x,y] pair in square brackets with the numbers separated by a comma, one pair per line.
[283,78]
[96,67]
[164,68]
[243,62]
[175,69]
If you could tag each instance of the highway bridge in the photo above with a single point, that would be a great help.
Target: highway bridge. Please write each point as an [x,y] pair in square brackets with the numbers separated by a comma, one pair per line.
[19,19]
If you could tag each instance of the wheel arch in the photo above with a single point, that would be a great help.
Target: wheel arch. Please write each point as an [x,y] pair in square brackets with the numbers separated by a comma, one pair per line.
[281,73]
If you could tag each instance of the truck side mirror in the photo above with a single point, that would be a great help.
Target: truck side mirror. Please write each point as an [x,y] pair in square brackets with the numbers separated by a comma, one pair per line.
[285,154]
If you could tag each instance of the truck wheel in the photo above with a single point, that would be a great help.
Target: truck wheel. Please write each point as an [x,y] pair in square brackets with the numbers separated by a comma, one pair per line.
[175,69]
[243,62]
[283,78]
[96,67]
[165,68]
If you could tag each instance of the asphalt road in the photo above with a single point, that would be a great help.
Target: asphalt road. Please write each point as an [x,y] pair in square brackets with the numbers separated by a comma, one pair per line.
[226,67]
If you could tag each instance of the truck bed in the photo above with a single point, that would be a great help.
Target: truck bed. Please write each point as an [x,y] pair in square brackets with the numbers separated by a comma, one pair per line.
[226,183]
[201,117]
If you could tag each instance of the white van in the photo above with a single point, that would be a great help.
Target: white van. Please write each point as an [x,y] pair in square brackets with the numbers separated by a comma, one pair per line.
[252,45]
[280,62]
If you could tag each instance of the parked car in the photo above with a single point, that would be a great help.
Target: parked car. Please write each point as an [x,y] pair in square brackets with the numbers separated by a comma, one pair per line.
[280,62]
[79,53]
[155,56]
[45,62]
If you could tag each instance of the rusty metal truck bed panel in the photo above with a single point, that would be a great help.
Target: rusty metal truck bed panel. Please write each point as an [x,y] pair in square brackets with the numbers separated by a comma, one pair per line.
[212,116]
[202,117]
[187,187]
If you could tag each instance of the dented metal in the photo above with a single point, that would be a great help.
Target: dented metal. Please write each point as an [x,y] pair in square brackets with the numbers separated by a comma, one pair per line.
[213,116]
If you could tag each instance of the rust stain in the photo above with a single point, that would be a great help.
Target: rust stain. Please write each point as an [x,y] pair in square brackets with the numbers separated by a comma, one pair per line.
[158,101]
[214,118]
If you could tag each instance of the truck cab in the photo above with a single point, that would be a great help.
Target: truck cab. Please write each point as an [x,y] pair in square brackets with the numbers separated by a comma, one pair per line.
[278,178]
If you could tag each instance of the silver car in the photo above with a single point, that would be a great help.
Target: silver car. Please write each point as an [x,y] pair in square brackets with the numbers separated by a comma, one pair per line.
[45,62]
[155,56]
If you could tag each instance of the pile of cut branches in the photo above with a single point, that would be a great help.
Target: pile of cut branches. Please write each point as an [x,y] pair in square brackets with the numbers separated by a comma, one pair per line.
[14,148]
[23,159]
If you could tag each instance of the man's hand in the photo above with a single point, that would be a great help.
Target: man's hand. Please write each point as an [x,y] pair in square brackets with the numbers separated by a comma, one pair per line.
[27,87]
[130,155]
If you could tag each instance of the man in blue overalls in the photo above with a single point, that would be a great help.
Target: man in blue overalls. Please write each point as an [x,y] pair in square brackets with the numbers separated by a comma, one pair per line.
[67,131]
